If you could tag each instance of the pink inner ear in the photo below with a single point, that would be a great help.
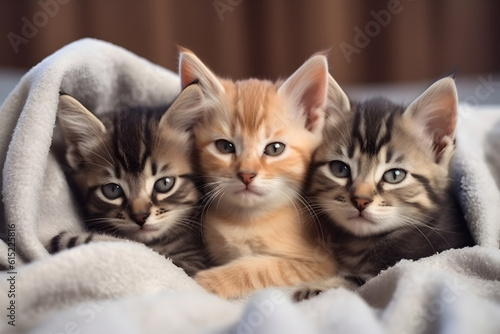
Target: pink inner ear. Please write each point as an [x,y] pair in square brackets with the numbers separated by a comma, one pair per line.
[314,97]
[442,125]
[442,120]
[187,75]
[311,100]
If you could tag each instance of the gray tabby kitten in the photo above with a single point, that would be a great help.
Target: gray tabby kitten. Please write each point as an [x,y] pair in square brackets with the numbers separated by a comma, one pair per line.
[133,173]
[381,182]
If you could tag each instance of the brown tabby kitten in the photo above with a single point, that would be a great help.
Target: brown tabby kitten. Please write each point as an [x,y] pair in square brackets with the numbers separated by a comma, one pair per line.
[381,181]
[133,172]
[254,144]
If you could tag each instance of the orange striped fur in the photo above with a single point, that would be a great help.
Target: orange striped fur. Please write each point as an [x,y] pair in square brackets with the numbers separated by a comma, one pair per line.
[258,229]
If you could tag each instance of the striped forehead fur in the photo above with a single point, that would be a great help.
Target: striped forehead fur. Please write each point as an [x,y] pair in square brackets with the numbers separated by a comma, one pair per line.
[250,104]
[373,124]
[132,143]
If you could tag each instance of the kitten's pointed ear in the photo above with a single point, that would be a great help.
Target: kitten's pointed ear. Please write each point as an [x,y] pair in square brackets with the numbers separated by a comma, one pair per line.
[338,102]
[436,111]
[186,110]
[307,89]
[81,129]
[192,69]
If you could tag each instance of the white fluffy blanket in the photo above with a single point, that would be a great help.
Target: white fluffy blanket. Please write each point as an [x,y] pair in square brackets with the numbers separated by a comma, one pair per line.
[124,287]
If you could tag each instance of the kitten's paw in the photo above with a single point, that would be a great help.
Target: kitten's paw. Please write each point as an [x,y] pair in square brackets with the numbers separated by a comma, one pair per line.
[310,290]
[223,282]
[205,279]
[69,239]
[306,292]
[212,281]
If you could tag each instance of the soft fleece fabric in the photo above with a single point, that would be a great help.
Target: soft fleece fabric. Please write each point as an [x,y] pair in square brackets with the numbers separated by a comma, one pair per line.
[124,287]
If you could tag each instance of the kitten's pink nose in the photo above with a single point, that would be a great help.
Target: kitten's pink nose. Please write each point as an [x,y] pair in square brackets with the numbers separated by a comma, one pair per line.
[140,217]
[247,178]
[361,202]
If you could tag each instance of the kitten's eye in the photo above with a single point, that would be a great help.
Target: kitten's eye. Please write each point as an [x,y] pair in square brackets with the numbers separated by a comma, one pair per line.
[224,146]
[340,169]
[112,191]
[394,175]
[164,185]
[274,149]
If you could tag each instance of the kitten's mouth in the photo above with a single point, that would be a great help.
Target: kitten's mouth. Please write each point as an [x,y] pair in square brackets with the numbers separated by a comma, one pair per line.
[147,229]
[247,192]
[359,219]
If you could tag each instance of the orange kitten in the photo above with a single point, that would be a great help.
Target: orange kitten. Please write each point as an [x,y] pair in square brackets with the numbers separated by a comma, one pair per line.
[254,146]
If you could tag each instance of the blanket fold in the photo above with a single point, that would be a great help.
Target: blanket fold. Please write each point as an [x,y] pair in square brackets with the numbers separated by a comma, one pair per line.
[126,287]
[101,76]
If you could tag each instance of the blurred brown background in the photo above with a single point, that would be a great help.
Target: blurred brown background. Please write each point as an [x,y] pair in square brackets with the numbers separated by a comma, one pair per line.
[368,41]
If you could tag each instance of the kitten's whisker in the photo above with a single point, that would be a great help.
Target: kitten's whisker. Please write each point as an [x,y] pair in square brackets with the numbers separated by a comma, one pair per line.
[207,203]
[290,201]
[312,213]
[90,163]
[344,138]
[109,162]
[220,197]
[417,224]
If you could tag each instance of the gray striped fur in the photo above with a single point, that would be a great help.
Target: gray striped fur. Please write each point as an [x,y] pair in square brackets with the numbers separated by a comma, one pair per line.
[132,172]
[417,217]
